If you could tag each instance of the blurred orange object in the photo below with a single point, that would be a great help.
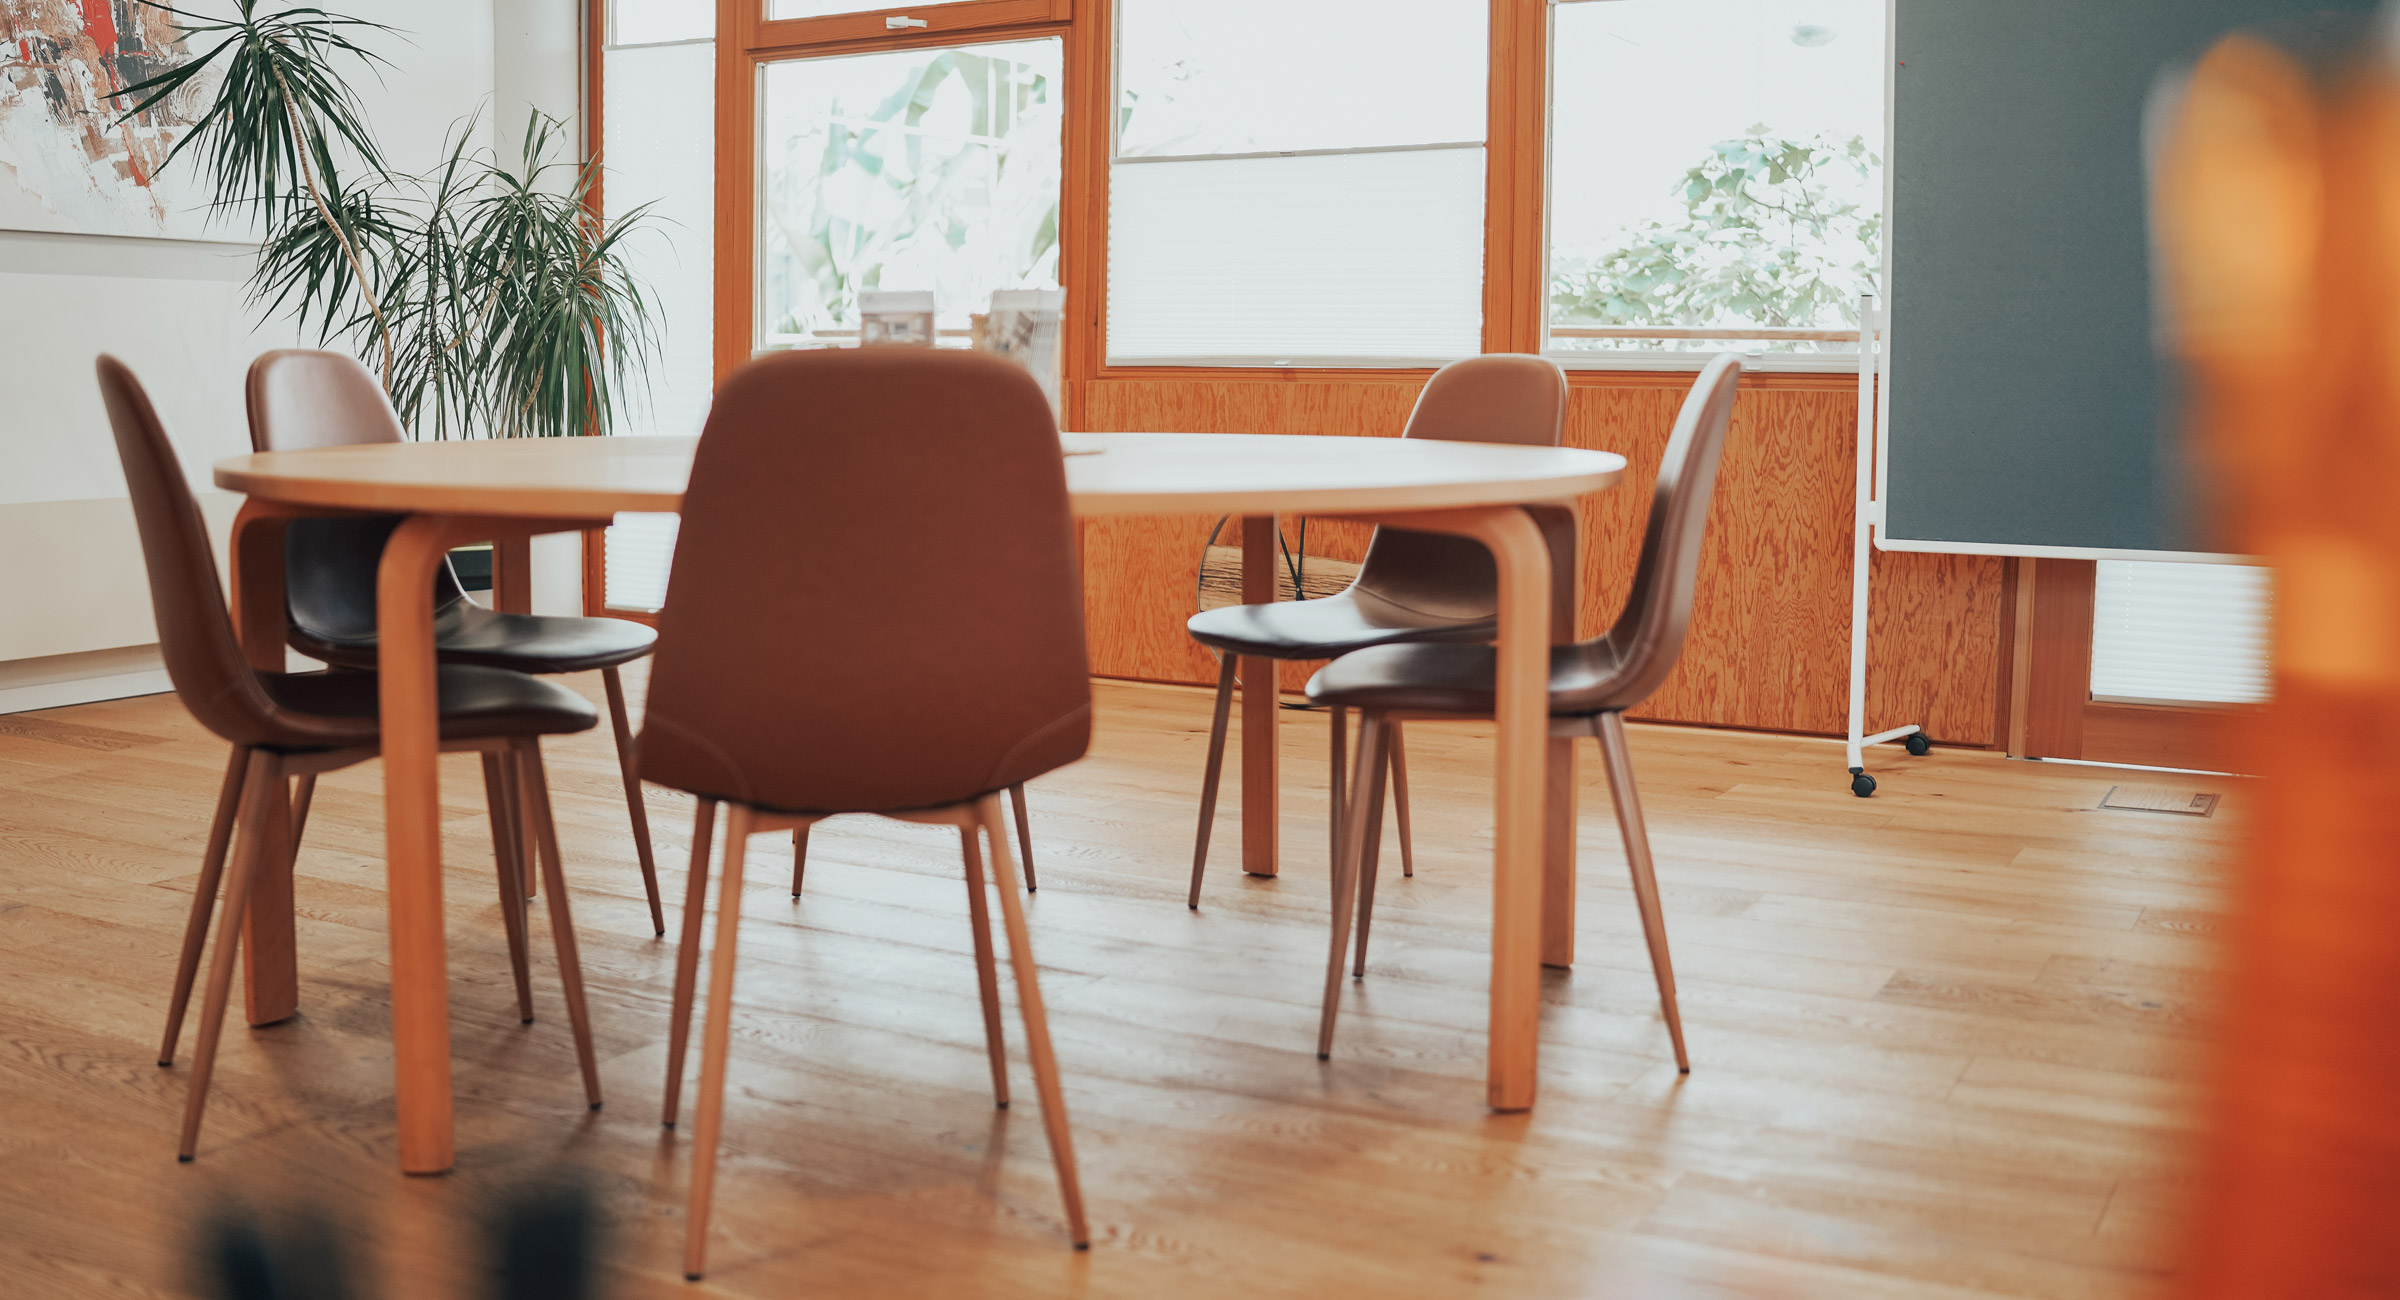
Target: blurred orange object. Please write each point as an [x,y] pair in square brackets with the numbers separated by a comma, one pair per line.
[2279,228]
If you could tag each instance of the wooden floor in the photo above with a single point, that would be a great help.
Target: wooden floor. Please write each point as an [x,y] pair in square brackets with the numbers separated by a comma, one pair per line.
[1942,1041]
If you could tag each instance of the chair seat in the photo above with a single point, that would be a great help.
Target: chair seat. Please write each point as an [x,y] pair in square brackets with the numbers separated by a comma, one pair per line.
[1329,627]
[341,709]
[468,633]
[1458,679]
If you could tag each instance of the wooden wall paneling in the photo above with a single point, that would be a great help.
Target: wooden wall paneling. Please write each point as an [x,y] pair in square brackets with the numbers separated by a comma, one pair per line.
[1771,613]
[2059,660]
[1139,576]
[1935,653]
[2154,735]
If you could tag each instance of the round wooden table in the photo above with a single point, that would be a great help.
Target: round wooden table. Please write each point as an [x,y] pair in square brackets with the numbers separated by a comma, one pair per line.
[458,493]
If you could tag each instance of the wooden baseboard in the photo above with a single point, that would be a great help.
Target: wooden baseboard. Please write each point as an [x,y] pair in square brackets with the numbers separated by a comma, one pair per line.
[2153,735]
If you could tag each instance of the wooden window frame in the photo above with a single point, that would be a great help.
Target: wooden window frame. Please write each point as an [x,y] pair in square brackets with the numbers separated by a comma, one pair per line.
[746,41]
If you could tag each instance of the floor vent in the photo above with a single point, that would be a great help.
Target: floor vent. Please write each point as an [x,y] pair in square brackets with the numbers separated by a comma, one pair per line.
[2180,800]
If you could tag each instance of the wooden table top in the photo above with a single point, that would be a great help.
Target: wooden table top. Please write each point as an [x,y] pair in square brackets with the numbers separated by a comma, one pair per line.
[1130,474]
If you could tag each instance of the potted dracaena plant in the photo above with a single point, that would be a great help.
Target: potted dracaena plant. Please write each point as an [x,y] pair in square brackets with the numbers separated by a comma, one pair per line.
[488,294]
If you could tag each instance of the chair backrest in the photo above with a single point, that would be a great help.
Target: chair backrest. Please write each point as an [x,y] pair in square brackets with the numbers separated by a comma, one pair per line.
[1648,634]
[194,632]
[300,400]
[874,603]
[1497,398]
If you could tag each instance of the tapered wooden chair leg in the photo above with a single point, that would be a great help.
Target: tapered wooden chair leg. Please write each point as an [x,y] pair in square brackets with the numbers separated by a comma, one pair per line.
[987,974]
[640,812]
[687,956]
[1618,759]
[799,858]
[204,898]
[713,1044]
[562,924]
[1016,800]
[1216,771]
[262,799]
[1337,781]
[1408,853]
[304,793]
[1370,853]
[1345,872]
[512,895]
[1037,1024]
[528,852]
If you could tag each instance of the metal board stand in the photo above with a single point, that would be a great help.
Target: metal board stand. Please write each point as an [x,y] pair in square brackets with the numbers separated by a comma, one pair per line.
[1867,514]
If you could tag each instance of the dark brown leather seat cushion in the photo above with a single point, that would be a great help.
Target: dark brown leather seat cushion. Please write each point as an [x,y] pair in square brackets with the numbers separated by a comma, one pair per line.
[1454,679]
[1327,627]
[468,633]
[330,567]
[476,704]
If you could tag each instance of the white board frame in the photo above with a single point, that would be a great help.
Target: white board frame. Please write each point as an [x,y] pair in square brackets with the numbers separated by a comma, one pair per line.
[1892,342]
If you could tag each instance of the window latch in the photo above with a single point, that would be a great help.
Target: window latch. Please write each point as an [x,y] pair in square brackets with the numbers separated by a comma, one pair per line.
[895,23]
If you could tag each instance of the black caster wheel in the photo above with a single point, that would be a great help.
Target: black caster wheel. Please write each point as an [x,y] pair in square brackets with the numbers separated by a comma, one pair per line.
[1862,785]
[1919,746]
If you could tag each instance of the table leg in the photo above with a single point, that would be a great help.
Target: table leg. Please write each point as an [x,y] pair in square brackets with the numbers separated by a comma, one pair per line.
[1260,813]
[1522,710]
[413,840]
[512,575]
[1559,525]
[270,943]
[1520,786]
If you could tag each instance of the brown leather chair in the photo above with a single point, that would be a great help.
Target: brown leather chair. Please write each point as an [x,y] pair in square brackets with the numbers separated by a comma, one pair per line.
[1592,683]
[876,611]
[302,399]
[1412,587]
[287,725]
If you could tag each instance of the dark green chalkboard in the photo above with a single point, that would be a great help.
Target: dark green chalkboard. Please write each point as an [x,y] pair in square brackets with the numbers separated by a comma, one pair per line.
[2028,404]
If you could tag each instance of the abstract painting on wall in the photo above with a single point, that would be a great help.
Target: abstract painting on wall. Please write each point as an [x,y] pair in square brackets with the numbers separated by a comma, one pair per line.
[66,160]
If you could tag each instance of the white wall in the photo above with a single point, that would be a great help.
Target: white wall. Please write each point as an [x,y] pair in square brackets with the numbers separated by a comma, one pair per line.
[71,581]
[537,62]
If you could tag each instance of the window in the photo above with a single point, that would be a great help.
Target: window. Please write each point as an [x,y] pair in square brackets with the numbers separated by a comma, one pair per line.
[657,119]
[1297,181]
[2180,633]
[1715,165]
[931,169]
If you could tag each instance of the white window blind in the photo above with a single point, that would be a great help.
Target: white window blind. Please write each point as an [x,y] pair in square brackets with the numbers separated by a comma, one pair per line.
[1374,256]
[646,22]
[2180,633]
[1297,183]
[658,120]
